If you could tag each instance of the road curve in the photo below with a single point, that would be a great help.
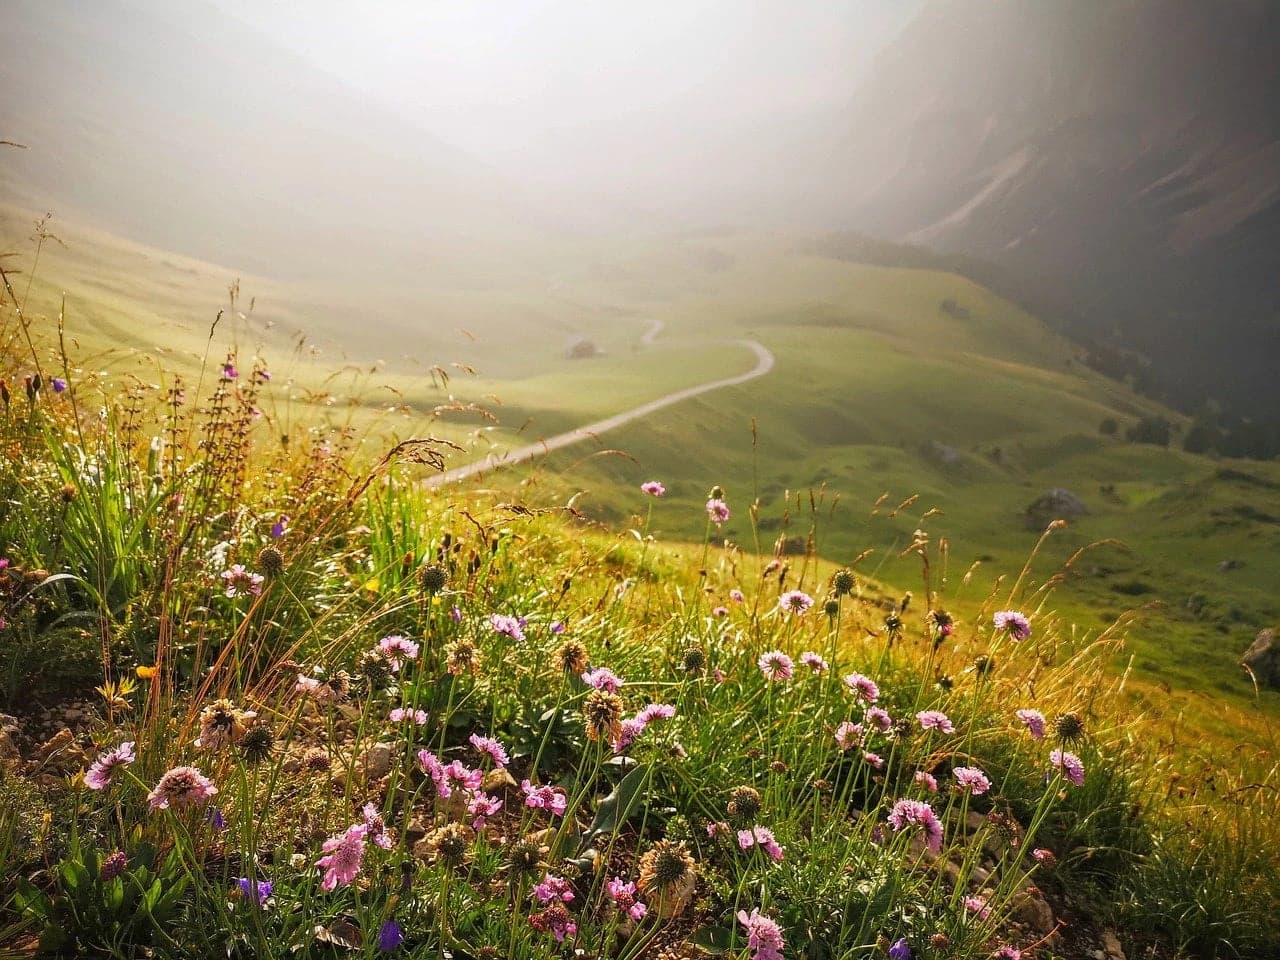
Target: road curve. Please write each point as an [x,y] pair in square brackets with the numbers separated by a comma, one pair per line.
[764,363]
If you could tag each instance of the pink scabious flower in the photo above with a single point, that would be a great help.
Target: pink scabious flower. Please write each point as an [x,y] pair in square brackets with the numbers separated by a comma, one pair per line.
[848,734]
[553,888]
[927,780]
[375,826]
[653,488]
[1016,623]
[1007,953]
[917,813]
[813,661]
[935,720]
[239,581]
[977,905]
[179,788]
[602,678]
[344,857]
[764,936]
[656,711]
[717,510]
[737,596]
[624,898]
[544,798]
[401,714]
[720,611]
[491,748]
[1071,766]
[556,921]
[715,828]
[507,625]
[104,769]
[864,688]
[398,649]
[775,665]
[795,602]
[1043,856]
[873,759]
[971,779]
[763,838]
[628,731]
[458,776]
[879,718]
[481,807]
[1034,720]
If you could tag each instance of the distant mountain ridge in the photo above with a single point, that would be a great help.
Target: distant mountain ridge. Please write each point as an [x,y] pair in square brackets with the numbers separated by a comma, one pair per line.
[1120,161]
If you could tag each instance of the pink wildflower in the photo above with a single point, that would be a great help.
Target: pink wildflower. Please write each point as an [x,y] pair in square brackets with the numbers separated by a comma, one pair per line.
[491,748]
[917,813]
[401,714]
[935,720]
[795,602]
[848,734]
[398,649]
[977,905]
[927,780]
[544,798]
[344,857]
[1071,766]
[873,759]
[775,665]
[100,775]
[1034,720]
[239,581]
[653,488]
[602,678]
[1016,623]
[971,779]
[179,788]
[506,625]
[764,936]
[813,661]
[762,837]
[879,718]
[717,510]
[481,807]
[737,596]
[375,826]
[864,687]
[624,898]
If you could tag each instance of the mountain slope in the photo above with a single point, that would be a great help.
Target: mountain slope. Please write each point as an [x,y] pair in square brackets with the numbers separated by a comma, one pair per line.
[1120,162]
[188,131]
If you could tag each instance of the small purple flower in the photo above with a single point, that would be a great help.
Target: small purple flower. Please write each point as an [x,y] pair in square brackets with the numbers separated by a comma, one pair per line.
[280,527]
[556,627]
[795,602]
[455,613]
[602,678]
[879,718]
[506,625]
[935,720]
[59,384]
[491,748]
[917,813]
[390,936]
[813,661]
[255,892]
[1034,720]
[216,818]
[775,665]
[977,905]
[971,779]
[100,775]
[865,688]
[848,734]
[653,488]
[113,866]
[1016,623]
[553,888]
[927,780]
[717,510]
[229,371]
[1072,767]
[900,950]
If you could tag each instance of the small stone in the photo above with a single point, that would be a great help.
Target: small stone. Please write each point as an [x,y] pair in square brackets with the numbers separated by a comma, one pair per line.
[1111,944]
[376,761]
[1030,907]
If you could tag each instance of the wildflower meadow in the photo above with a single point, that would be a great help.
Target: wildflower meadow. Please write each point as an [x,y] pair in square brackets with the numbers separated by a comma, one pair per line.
[332,710]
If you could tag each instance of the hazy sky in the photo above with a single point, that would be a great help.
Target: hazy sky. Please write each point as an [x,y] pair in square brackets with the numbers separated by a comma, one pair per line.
[597,96]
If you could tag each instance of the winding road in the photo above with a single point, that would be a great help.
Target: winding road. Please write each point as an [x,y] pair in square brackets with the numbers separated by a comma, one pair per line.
[764,363]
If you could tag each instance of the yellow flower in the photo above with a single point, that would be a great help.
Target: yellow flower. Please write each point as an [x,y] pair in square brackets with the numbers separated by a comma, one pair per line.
[146,673]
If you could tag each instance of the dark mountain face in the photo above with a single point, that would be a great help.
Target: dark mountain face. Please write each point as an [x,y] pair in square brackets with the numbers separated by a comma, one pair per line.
[1118,163]
[182,128]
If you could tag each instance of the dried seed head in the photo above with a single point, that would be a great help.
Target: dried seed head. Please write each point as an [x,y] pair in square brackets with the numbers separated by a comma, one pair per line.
[317,759]
[602,712]
[527,856]
[573,657]
[68,492]
[668,875]
[257,743]
[113,866]
[744,803]
[461,657]
[1069,727]
[450,844]
[271,561]
[843,582]
[831,607]
[693,660]
[432,577]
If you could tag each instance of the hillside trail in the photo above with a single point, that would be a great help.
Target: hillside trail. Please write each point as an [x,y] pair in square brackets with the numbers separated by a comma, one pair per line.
[764,363]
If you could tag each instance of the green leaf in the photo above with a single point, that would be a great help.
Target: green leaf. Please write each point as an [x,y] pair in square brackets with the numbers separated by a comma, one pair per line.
[713,940]
[620,803]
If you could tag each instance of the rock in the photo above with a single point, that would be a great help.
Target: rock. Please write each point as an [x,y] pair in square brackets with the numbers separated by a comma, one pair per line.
[8,737]
[1054,504]
[1030,907]
[375,762]
[940,453]
[61,754]
[1262,659]
[1111,944]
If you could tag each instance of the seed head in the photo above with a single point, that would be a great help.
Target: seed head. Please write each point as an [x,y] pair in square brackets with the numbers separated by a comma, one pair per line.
[68,492]
[693,660]
[461,657]
[113,866]
[271,561]
[744,803]
[831,607]
[450,844]
[257,743]
[527,856]
[432,577]
[602,712]
[1069,727]
[668,875]
[317,759]
[842,582]
[573,657]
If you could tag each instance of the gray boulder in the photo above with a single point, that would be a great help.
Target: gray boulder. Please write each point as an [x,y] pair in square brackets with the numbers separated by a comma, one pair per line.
[1262,659]
[1055,504]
